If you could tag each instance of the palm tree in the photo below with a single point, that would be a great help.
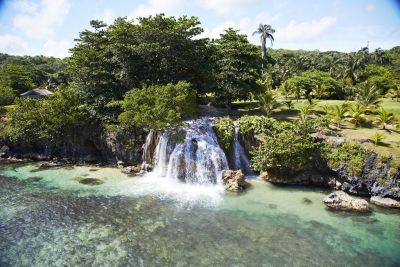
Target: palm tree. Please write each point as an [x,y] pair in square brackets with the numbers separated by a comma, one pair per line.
[268,102]
[377,138]
[380,57]
[349,67]
[265,32]
[306,110]
[356,114]
[384,118]
[338,114]
[367,95]
[394,93]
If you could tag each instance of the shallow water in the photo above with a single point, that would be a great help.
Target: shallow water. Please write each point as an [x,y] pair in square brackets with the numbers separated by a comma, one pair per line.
[49,218]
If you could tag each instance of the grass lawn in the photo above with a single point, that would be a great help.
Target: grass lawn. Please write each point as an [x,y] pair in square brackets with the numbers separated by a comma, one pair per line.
[389,146]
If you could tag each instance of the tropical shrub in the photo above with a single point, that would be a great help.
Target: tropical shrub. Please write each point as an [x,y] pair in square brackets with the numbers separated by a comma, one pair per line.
[257,125]
[352,154]
[288,152]
[377,138]
[7,96]
[158,106]
[53,120]
[384,118]
[224,130]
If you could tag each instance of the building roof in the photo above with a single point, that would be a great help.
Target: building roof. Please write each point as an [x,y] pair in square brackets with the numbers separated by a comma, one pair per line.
[37,92]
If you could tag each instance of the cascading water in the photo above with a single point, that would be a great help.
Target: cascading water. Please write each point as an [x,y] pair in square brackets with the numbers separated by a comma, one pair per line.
[240,160]
[198,160]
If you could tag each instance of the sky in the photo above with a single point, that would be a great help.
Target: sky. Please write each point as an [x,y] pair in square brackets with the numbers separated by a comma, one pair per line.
[49,27]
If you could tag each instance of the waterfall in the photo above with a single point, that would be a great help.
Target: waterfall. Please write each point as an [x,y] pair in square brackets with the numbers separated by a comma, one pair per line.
[149,148]
[198,159]
[240,160]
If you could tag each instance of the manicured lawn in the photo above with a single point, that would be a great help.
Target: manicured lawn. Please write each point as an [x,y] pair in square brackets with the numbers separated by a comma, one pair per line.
[389,146]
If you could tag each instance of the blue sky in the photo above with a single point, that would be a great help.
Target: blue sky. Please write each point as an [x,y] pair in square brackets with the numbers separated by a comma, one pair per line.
[32,27]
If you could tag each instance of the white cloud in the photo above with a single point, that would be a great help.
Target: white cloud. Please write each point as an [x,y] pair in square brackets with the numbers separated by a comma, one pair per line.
[107,16]
[152,7]
[226,7]
[370,8]
[246,25]
[11,44]
[25,6]
[40,21]
[56,48]
[304,31]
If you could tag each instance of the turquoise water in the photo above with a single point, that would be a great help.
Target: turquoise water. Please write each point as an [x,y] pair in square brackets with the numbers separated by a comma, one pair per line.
[49,218]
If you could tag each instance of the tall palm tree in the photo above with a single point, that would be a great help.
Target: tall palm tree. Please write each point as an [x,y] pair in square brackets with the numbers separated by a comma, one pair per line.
[265,32]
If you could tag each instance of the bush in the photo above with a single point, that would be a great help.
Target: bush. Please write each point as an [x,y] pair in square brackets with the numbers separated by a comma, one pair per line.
[54,119]
[158,106]
[287,151]
[224,130]
[352,154]
[7,96]
[257,125]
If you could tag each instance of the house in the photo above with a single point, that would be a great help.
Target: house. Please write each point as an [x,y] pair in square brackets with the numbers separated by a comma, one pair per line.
[36,93]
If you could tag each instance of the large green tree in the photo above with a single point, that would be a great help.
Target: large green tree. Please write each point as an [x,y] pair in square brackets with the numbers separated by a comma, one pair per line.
[158,106]
[110,60]
[236,67]
[17,77]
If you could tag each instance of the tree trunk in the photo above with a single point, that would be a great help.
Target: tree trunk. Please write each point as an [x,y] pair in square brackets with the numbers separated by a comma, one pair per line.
[263,48]
[228,106]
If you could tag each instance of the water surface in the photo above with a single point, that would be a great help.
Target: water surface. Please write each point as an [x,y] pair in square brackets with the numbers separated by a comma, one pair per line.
[49,218]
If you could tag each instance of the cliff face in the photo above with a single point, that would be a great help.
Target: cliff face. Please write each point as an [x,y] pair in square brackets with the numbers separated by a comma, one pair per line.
[90,146]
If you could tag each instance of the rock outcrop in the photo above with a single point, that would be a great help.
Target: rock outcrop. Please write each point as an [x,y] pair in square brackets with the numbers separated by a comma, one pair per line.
[131,170]
[340,200]
[234,181]
[385,202]
[310,177]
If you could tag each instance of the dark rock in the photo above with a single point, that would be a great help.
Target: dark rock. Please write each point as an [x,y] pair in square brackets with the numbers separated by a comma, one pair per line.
[4,151]
[306,201]
[91,181]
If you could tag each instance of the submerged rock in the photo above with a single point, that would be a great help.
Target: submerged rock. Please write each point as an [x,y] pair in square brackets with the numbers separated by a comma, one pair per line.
[340,200]
[234,181]
[385,202]
[91,181]
[131,170]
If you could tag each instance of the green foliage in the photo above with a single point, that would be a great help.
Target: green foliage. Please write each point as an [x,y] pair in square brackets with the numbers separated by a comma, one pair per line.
[377,138]
[158,106]
[236,67]
[356,115]
[384,118]
[224,130]
[7,95]
[268,102]
[306,110]
[288,151]
[16,77]
[316,84]
[338,114]
[52,120]
[352,154]
[110,60]
[368,95]
[257,125]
